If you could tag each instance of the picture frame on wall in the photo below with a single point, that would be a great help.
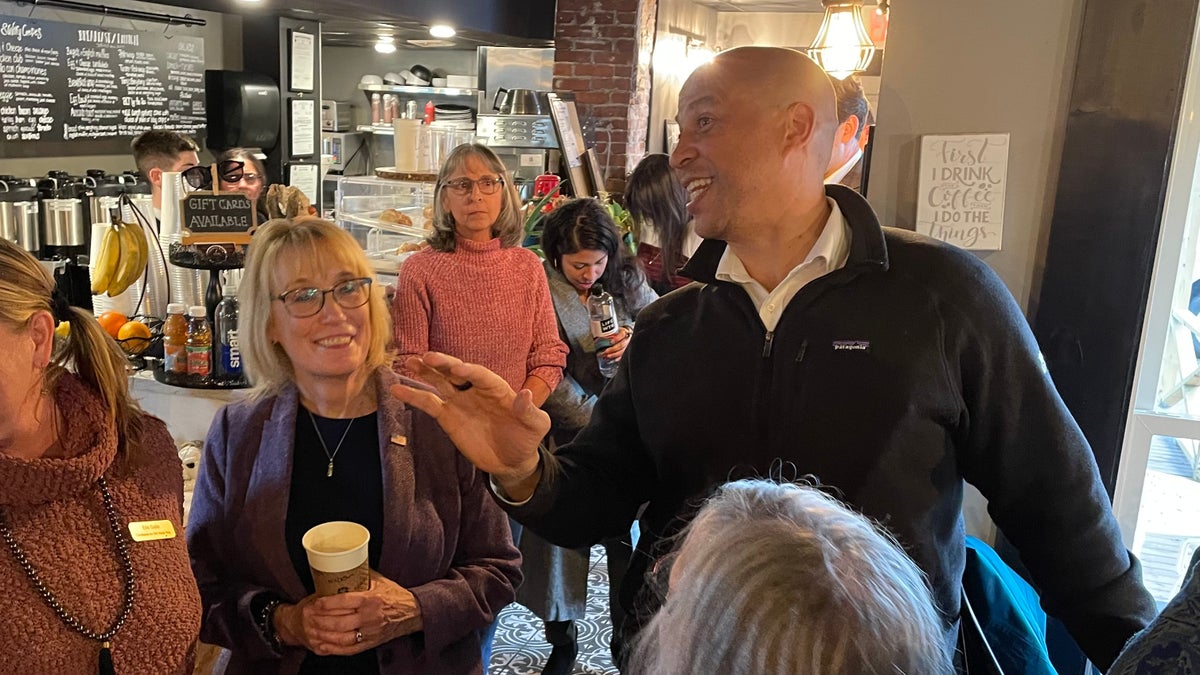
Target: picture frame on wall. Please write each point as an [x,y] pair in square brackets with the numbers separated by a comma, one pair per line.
[302,123]
[302,61]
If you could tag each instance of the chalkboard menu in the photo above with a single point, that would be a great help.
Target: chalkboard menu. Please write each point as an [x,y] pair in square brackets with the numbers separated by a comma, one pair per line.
[64,87]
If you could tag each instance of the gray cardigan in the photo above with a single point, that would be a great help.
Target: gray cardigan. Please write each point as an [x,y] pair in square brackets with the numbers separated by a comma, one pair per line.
[570,404]
[445,540]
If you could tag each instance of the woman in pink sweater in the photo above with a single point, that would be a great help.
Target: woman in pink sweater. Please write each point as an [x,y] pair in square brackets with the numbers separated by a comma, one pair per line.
[93,567]
[475,293]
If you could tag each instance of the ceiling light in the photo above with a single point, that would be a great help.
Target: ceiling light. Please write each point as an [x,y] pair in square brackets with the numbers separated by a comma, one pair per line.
[386,45]
[441,30]
[842,46]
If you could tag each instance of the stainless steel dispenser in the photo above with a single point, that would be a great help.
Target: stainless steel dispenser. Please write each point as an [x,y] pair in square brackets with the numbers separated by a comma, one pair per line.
[64,224]
[19,214]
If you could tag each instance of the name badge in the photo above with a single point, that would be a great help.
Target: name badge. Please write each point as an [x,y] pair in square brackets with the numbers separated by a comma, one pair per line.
[151,530]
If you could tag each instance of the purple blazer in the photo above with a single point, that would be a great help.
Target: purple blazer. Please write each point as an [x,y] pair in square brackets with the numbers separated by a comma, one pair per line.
[444,537]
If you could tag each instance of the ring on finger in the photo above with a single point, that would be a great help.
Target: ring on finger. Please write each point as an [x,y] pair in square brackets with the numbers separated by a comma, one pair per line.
[358,636]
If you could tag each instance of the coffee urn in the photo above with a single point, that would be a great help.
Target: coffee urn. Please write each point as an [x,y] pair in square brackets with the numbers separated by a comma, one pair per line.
[19,214]
[64,219]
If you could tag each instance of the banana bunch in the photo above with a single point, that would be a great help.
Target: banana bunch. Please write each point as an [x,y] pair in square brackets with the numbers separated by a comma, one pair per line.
[124,252]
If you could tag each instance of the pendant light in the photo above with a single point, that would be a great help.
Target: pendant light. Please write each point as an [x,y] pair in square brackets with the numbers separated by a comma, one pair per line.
[842,46]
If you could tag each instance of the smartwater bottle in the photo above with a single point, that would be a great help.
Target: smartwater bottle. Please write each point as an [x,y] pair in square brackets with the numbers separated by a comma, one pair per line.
[229,355]
[603,312]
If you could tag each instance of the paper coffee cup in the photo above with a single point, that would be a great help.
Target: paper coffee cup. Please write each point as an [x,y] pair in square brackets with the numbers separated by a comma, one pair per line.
[337,556]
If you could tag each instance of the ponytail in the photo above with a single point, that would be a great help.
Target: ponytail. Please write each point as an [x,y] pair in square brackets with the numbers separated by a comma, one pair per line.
[100,363]
[25,289]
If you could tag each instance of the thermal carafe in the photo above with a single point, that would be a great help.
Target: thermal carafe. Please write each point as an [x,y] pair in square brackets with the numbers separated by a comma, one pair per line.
[64,221]
[19,215]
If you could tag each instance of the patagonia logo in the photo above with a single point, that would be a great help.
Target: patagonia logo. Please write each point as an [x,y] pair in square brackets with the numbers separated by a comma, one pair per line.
[851,345]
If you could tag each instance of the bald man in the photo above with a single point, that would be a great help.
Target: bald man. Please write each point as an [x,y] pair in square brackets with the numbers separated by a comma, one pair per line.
[814,342]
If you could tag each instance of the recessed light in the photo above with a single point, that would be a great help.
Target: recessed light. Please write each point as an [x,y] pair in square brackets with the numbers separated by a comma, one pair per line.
[385,45]
[441,30]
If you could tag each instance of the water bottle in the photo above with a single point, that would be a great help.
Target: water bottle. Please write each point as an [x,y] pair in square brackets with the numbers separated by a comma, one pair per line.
[229,356]
[603,313]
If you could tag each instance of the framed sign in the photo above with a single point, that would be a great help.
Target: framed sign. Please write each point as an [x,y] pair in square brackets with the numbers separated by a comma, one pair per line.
[960,199]
[307,178]
[302,120]
[302,60]
[217,217]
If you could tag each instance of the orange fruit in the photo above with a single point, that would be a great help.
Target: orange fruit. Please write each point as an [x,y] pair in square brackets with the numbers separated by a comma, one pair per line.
[134,337]
[111,322]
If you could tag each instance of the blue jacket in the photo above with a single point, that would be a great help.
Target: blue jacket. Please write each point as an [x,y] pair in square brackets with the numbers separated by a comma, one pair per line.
[1008,612]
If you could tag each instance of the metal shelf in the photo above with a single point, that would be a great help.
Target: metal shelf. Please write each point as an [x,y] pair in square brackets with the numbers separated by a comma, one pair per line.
[427,91]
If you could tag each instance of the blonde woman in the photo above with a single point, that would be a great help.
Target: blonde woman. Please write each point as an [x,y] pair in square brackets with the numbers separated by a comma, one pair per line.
[85,476]
[319,440]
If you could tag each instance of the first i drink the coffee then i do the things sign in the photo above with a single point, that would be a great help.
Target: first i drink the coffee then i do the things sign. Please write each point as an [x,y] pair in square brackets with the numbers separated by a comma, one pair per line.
[960,199]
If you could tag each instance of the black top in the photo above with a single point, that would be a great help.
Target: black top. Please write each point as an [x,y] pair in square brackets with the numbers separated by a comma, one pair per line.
[353,493]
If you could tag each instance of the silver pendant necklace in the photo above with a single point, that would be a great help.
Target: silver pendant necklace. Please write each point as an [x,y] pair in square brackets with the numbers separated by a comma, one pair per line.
[320,437]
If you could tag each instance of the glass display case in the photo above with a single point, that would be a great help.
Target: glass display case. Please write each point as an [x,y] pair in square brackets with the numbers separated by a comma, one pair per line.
[388,218]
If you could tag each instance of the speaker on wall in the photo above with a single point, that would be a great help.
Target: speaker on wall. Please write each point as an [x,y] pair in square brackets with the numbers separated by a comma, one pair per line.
[242,109]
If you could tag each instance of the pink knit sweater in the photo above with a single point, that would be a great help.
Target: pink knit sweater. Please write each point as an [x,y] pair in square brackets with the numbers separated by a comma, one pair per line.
[483,304]
[57,516]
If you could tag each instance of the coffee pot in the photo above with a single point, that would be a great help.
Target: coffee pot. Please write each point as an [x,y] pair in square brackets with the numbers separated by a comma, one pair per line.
[517,102]
[19,214]
[64,222]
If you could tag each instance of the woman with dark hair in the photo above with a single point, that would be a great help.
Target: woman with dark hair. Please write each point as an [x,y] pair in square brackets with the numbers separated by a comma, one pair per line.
[93,569]
[251,180]
[583,248]
[658,204]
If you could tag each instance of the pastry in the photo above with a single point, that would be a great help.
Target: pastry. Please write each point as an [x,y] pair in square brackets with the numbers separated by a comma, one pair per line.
[394,216]
[410,247]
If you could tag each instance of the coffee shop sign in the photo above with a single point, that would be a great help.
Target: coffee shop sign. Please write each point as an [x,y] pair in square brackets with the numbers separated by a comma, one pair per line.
[961,195]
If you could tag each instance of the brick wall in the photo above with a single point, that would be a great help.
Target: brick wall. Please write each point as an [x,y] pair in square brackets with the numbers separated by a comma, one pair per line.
[602,55]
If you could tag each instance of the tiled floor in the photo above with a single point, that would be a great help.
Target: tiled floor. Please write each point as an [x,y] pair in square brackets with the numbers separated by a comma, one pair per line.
[521,649]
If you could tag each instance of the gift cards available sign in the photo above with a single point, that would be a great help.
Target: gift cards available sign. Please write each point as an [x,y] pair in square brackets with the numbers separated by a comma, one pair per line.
[961,195]
[217,217]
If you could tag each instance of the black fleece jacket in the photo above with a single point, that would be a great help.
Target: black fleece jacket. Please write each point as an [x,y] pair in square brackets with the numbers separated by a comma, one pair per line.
[892,380]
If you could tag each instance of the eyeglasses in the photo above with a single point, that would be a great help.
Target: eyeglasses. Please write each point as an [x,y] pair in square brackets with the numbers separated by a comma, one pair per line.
[305,302]
[248,178]
[200,177]
[465,186]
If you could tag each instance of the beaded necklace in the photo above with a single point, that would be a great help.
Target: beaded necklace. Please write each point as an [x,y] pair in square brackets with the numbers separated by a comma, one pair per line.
[105,666]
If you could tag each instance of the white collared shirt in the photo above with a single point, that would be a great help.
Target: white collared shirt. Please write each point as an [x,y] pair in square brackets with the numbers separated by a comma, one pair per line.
[844,169]
[830,252]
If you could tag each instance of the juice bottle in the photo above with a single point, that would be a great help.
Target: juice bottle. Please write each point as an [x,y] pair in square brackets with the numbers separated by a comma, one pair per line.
[175,340]
[199,346]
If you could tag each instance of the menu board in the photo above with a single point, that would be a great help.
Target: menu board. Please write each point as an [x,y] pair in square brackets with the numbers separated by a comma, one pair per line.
[62,84]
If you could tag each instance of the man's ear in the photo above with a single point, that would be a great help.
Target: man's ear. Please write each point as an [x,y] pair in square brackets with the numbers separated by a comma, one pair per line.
[155,177]
[846,130]
[801,123]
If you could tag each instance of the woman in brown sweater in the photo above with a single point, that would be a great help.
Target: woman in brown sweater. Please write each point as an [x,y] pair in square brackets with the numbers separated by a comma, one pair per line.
[94,572]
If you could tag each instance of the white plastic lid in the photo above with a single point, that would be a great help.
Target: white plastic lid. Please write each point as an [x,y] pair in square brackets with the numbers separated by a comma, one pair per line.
[176,308]
[197,311]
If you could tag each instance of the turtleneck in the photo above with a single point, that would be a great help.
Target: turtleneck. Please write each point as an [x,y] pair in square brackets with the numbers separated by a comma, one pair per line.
[54,509]
[472,247]
[484,304]
[89,441]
